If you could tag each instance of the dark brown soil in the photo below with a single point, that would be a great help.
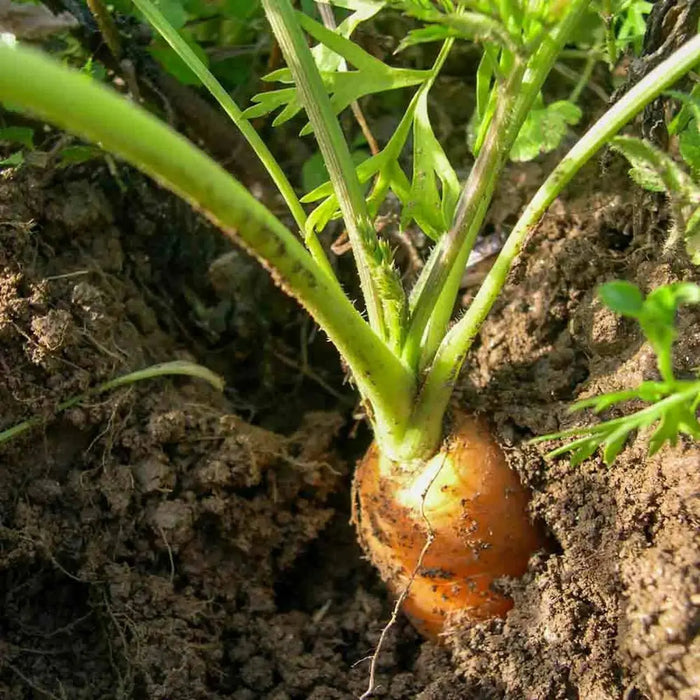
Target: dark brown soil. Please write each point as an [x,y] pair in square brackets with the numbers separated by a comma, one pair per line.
[156,544]
[615,612]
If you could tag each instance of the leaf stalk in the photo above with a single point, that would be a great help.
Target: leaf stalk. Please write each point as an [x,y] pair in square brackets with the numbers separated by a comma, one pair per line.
[334,149]
[437,388]
[433,305]
[185,52]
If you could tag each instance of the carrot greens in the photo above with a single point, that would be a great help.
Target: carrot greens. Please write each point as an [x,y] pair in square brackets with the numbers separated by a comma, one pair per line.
[402,352]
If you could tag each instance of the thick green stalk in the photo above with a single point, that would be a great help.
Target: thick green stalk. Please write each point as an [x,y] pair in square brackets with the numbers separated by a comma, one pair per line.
[75,102]
[444,307]
[437,388]
[185,52]
[439,288]
[334,149]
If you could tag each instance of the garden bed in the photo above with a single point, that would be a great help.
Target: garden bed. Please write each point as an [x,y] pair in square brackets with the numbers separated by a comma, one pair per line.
[167,541]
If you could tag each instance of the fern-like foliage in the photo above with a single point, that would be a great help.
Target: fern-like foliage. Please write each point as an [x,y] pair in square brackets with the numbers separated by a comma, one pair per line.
[344,86]
[673,403]
[484,22]
[507,31]
[349,73]
[383,168]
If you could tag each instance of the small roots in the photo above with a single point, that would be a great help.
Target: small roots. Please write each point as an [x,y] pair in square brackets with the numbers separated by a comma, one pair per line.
[429,539]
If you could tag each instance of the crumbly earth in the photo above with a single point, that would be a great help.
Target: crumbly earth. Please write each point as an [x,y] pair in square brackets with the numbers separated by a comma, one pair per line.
[165,541]
[614,609]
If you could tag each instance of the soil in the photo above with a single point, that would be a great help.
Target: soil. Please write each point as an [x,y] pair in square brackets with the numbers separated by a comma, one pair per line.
[168,541]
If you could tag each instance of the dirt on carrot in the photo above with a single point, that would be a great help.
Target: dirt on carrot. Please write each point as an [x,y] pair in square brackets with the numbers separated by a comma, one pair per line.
[166,541]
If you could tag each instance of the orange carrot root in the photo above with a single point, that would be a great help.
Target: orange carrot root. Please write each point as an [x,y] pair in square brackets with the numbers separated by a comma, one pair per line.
[477,513]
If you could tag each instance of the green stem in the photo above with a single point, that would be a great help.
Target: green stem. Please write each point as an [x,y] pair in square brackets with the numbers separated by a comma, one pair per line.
[437,388]
[177,367]
[334,149]
[608,18]
[444,306]
[583,79]
[442,275]
[185,52]
[433,298]
[75,102]
[595,52]
[108,29]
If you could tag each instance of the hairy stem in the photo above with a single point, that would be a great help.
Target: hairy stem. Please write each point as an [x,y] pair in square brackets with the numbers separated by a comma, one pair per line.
[108,29]
[608,18]
[74,101]
[437,388]
[458,241]
[334,149]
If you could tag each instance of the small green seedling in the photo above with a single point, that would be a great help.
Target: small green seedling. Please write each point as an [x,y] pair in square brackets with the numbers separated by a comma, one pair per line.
[673,403]
[22,136]
[25,152]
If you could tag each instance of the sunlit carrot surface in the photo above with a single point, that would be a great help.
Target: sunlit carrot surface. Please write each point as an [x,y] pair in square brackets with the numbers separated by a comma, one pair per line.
[477,511]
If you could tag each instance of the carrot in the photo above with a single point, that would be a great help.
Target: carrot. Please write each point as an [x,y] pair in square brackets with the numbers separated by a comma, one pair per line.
[403,354]
[473,508]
